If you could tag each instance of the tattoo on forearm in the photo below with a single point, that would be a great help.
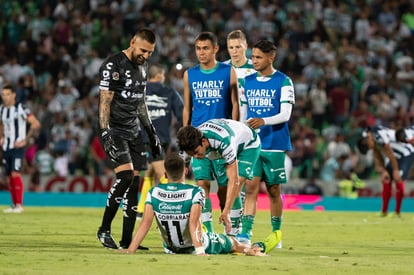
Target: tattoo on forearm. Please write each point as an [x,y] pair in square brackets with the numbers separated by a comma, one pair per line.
[105,108]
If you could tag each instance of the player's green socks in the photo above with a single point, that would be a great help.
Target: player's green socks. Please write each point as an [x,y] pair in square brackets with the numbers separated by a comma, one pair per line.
[276,222]
[206,216]
[243,194]
[247,224]
[235,215]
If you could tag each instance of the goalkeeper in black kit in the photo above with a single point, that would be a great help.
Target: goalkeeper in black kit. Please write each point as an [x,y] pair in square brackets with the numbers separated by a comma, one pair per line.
[122,112]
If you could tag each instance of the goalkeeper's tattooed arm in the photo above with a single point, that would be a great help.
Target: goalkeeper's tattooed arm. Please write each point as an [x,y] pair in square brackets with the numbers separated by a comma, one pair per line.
[105,108]
[104,111]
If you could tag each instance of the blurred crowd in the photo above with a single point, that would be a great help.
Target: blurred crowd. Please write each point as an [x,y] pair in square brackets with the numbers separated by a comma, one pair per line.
[351,62]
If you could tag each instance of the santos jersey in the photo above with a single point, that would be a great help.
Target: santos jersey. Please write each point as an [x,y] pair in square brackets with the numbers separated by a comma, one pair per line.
[14,120]
[172,204]
[228,138]
[128,80]
[264,96]
[241,72]
[215,243]
[210,93]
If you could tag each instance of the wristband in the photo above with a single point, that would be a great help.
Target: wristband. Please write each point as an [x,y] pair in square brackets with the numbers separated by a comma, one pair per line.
[200,250]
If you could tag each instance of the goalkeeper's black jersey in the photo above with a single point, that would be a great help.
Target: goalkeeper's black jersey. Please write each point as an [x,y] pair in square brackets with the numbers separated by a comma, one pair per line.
[128,80]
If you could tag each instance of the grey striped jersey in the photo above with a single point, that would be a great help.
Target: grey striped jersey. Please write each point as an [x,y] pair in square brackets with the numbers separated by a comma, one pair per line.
[409,132]
[14,120]
[383,135]
[402,149]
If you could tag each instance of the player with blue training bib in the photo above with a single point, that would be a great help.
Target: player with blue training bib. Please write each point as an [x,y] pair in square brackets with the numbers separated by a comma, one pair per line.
[270,98]
[210,91]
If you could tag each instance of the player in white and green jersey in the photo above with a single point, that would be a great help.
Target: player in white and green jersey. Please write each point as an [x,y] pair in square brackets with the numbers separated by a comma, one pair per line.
[177,208]
[226,139]
[270,96]
[237,47]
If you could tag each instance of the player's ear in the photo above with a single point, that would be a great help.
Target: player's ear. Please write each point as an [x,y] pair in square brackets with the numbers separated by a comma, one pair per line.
[203,141]
[216,49]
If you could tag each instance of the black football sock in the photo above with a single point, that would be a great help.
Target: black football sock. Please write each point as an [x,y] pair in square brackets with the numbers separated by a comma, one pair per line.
[129,207]
[123,180]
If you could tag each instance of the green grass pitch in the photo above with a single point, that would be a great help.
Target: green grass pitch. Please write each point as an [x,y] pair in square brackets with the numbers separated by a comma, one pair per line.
[46,240]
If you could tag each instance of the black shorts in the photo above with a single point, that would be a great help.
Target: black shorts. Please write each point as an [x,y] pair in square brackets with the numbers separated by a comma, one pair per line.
[13,160]
[130,151]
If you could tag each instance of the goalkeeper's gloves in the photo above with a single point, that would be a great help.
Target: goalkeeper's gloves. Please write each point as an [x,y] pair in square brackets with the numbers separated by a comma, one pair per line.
[109,145]
[156,148]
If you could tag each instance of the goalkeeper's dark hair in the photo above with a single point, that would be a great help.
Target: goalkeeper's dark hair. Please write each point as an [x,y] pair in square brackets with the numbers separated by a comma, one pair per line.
[146,34]
[174,166]
[189,138]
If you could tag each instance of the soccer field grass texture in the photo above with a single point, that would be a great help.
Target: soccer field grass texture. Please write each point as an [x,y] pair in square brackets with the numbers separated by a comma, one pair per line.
[49,240]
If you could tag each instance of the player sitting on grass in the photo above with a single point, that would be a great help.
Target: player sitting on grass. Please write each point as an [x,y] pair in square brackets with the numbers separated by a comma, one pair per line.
[177,209]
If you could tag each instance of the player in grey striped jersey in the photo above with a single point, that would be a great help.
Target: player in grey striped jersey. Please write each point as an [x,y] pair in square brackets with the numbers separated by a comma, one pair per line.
[405,134]
[14,118]
[393,159]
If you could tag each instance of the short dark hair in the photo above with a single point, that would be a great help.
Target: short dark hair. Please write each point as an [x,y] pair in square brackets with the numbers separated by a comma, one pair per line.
[203,36]
[8,86]
[400,135]
[189,138]
[174,166]
[265,46]
[362,145]
[146,34]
